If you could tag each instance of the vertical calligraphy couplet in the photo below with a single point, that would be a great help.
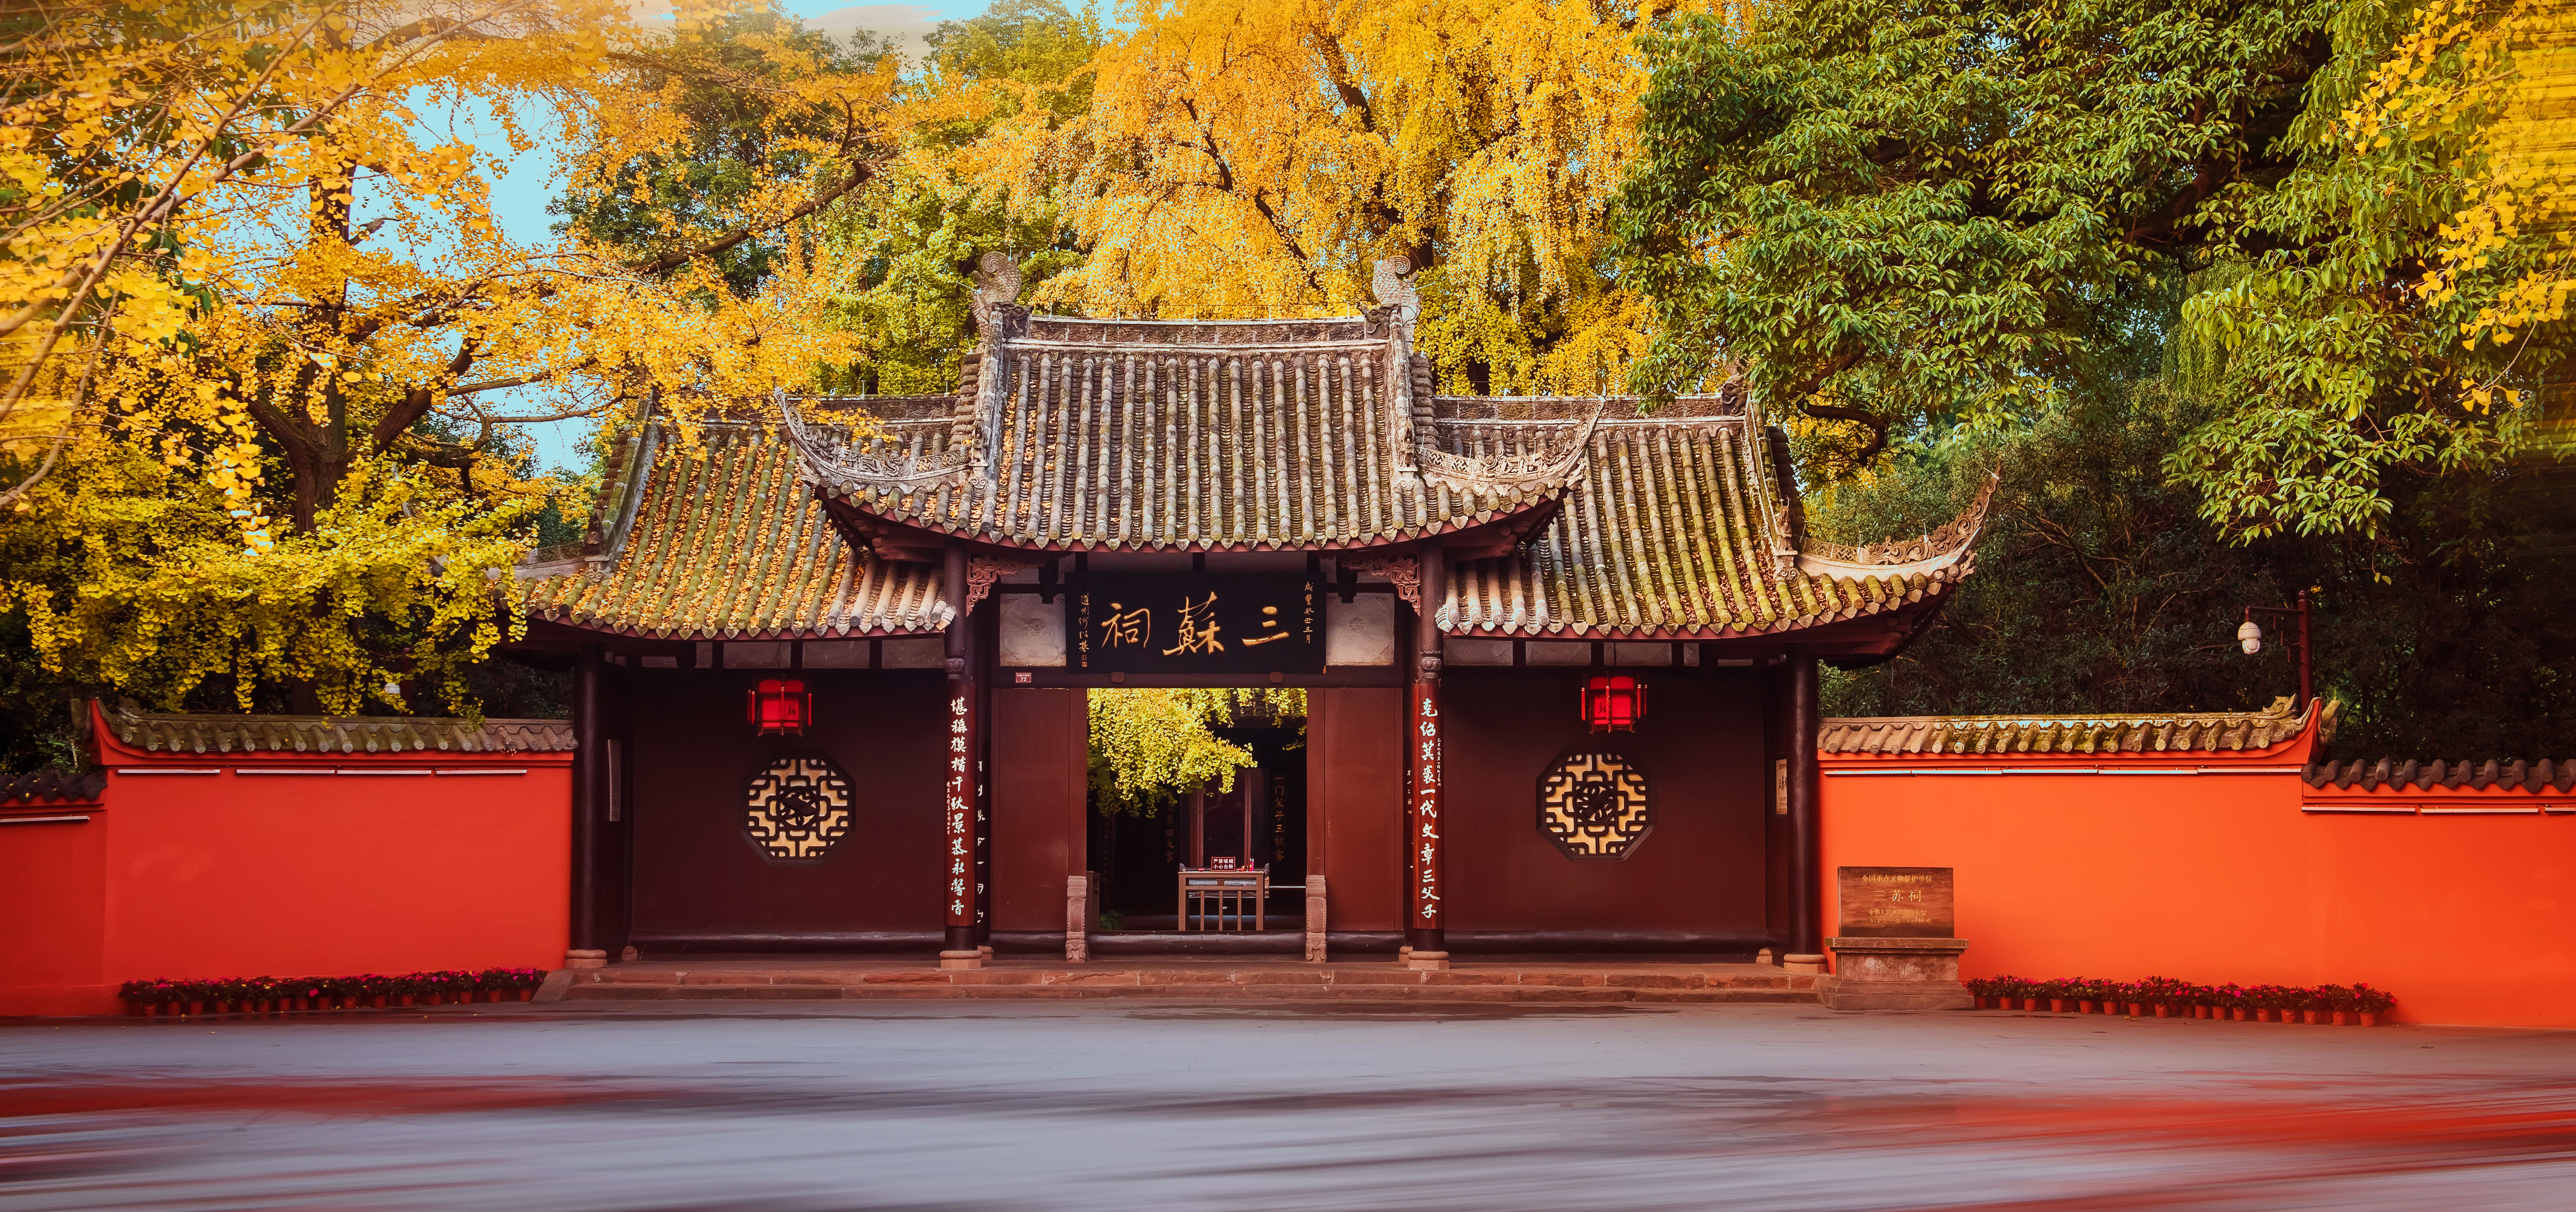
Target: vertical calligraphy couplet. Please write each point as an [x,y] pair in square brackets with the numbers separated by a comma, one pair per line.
[958,886]
[1425,844]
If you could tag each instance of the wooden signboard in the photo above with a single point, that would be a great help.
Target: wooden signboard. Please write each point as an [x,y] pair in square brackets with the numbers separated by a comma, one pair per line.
[1214,623]
[1896,902]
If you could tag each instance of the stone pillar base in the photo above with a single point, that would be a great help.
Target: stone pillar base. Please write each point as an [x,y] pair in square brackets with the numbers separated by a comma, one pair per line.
[1315,919]
[1898,974]
[577,958]
[1803,963]
[955,960]
[1077,919]
[1426,961]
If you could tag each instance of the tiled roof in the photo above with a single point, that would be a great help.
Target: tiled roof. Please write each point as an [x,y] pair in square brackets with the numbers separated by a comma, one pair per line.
[1144,435]
[52,786]
[1675,527]
[2437,775]
[2203,732]
[728,543]
[1083,435]
[158,733]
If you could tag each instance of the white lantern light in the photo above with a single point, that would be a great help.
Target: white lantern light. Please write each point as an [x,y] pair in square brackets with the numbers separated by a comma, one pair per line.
[2250,637]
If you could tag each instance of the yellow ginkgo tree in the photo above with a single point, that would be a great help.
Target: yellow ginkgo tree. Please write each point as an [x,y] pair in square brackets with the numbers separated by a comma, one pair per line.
[1149,747]
[246,239]
[1256,157]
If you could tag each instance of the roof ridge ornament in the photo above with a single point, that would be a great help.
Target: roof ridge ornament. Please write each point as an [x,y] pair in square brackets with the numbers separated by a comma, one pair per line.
[997,291]
[1392,285]
[841,470]
[1548,469]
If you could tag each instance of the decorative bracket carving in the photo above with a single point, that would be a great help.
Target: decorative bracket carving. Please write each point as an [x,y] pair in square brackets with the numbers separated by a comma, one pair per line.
[1404,571]
[983,571]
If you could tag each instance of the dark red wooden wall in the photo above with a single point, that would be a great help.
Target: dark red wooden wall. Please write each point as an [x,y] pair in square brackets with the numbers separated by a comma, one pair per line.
[1702,869]
[1041,759]
[1354,802]
[695,874]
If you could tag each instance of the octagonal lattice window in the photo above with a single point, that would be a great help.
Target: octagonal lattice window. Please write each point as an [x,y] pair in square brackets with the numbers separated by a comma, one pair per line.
[1592,803]
[796,808]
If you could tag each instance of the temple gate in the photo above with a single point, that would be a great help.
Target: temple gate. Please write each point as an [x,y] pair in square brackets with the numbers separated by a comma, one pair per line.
[1560,653]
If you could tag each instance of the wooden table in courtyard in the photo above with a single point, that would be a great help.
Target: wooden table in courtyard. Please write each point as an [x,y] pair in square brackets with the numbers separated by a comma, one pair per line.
[1216,892]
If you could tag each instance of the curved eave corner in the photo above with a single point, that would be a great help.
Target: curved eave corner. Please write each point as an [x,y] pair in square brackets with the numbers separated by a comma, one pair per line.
[1930,555]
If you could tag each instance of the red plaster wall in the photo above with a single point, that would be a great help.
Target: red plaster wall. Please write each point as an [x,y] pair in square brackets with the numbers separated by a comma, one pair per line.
[1355,803]
[231,874]
[53,897]
[2221,877]
[1041,754]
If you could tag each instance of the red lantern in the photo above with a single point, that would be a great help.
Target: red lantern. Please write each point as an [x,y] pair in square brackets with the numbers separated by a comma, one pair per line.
[780,708]
[1614,704]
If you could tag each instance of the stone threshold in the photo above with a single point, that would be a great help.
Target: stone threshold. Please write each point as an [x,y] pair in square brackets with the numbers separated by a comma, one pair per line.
[777,980]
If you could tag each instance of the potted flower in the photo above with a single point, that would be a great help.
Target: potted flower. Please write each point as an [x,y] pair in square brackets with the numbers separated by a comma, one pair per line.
[2369,1004]
[2157,993]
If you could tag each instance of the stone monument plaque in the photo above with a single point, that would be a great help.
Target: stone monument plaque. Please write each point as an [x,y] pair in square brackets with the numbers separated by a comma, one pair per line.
[1896,902]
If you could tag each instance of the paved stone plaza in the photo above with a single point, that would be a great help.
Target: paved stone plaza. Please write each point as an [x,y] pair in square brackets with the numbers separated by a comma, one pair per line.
[1275,1105]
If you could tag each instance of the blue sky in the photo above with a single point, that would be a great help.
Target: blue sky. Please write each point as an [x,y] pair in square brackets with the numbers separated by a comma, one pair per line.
[522,185]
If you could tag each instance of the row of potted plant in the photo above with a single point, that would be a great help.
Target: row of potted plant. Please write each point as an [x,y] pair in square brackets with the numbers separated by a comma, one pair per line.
[2164,997]
[277,994]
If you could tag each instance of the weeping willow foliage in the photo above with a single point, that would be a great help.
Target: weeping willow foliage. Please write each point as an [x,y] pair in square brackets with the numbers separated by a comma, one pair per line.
[1149,747]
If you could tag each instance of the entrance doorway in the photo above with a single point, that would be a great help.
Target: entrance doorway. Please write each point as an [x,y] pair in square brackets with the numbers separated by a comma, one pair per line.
[1259,822]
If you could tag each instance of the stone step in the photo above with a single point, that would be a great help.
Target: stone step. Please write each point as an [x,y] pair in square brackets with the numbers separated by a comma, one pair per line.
[1352,982]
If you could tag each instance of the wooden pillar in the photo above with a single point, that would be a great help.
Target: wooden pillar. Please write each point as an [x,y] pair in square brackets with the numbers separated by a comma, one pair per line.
[1805,840]
[1427,925]
[589,806]
[958,899]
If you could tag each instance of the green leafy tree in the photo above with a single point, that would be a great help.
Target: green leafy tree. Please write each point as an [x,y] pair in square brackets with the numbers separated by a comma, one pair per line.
[1889,214]
[720,84]
[2098,590]
[913,239]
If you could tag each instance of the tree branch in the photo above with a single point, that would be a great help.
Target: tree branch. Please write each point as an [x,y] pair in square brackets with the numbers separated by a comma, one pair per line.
[1877,426]
[861,172]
